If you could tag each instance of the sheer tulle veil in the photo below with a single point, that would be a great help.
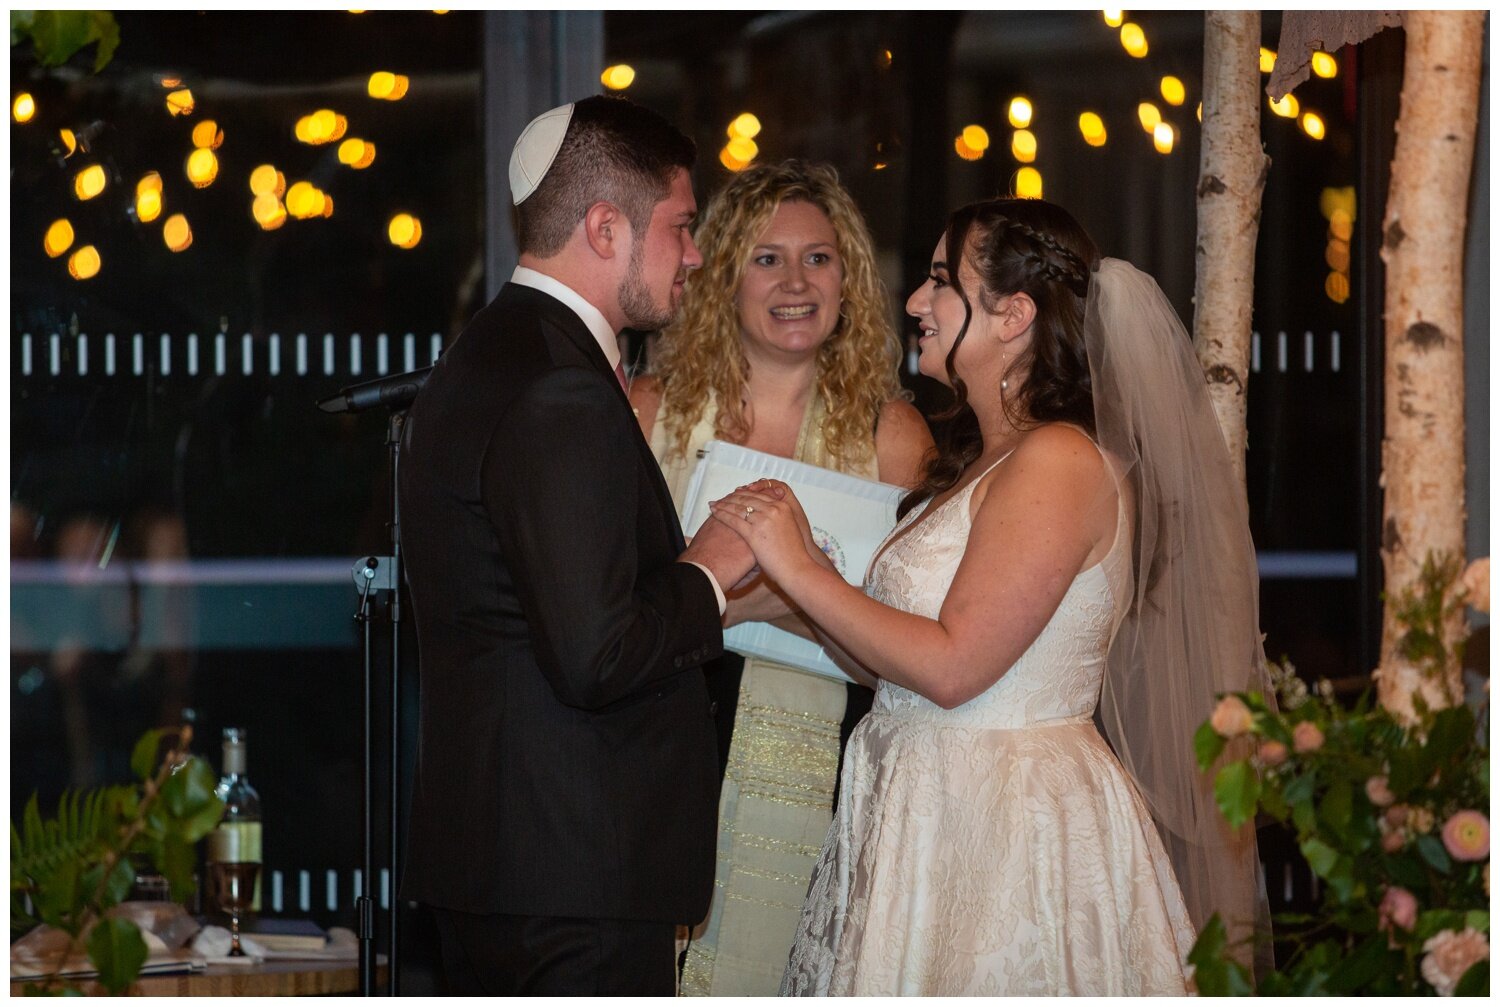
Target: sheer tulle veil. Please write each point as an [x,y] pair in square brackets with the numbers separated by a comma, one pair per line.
[1192,630]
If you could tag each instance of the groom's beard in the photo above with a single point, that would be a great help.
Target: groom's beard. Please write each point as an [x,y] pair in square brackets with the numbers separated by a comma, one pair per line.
[641,311]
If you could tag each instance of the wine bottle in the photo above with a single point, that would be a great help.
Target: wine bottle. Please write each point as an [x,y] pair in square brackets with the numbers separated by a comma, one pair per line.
[237,840]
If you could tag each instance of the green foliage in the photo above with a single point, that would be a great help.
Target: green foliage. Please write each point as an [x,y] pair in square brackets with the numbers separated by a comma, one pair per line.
[77,865]
[1367,806]
[58,34]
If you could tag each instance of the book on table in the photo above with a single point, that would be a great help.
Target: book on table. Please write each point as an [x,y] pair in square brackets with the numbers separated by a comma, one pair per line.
[284,934]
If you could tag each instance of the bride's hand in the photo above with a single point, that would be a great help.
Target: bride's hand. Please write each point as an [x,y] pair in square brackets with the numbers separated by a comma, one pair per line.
[771,521]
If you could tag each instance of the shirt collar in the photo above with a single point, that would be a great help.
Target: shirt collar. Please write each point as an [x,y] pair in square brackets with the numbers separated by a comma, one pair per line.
[591,316]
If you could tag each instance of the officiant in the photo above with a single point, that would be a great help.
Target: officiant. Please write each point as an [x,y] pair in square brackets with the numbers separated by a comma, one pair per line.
[784,345]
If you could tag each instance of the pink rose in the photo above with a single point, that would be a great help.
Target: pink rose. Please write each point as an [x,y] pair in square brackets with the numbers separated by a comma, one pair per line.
[1392,841]
[1422,821]
[1306,737]
[1476,581]
[1396,814]
[1450,954]
[1231,718]
[1378,789]
[1272,753]
[1398,908]
[1467,836]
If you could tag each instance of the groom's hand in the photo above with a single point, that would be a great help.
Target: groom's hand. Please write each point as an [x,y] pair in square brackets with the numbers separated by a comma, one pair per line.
[726,556]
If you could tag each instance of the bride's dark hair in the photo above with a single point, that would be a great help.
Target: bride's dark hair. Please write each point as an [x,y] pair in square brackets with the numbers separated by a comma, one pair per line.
[1018,246]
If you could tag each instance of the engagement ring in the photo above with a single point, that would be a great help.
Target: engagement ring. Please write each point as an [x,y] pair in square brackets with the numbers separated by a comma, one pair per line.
[748,512]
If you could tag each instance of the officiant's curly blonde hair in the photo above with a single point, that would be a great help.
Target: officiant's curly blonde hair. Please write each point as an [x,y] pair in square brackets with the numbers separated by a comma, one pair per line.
[702,354]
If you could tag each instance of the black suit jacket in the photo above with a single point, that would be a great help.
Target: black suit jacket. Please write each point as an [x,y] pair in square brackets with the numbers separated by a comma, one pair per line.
[567,760]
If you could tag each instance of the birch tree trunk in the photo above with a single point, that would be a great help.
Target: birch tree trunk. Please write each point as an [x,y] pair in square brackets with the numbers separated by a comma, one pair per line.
[1231,176]
[1423,449]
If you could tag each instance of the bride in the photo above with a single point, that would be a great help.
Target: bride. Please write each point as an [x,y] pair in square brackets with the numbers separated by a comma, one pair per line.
[1078,543]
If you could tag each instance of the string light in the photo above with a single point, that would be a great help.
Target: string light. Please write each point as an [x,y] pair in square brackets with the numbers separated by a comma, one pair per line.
[964,151]
[976,138]
[618,77]
[731,162]
[1312,125]
[268,211]
[176,233]
[1092,128]
[1164,136]
[305,201]
[1149,115]
[266,180]
[84,263]
[1267,59]
[1341,225]
[202,167]
[404,230]
[1173,91]
[1029,183]
[1287,107]
[1023,146]
[1114,18]
[1337,255]
[745,124]
[148,198]
[1324,65]
[89,182]
[356,153]
[180,102]
[742,149]
[24,107]
[387,86]
[322,126]
[1020,113]
[207,135]
[1336,287]
[69,142]
[1133,38]
[58,239]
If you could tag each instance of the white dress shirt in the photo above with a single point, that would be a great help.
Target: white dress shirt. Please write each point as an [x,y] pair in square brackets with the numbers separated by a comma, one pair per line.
[608,341]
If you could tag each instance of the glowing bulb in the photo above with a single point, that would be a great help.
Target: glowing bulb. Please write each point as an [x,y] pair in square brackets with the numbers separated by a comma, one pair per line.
[148,205]
[89,182]
[1312,125]
[1133,38]
[176,233]
[1336,287]
[303,130]
[358,156]
[302,200]
[1149,115]
[150,182]
[1200,111]
[404,230]
[202,167]
[84,263]
[1173,91]
[1164,136]
[1286,108]
[1333,203]
[729,161]
[1340,225]
[58,239]
[1324,65]
[1029,183]
[180,102]
[399,91]
[207,134]
[742,148]
[340,127]
[1023,146]
[24,107]
[618,77]
[1092,128]
[69,141]
[1114,18]
[263,179]
[1337,255]
[1020,113]
[976,138]
[745,124]
[1267,59]
[382,83]
[964,150]
[327,208]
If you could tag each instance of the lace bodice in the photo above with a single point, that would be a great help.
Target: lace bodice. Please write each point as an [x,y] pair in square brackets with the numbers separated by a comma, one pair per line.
[1057,679]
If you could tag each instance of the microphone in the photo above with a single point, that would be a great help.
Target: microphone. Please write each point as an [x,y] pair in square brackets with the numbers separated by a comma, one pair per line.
[394,392]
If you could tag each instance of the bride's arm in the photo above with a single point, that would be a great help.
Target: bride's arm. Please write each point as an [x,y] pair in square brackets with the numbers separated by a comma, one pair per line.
[1035,526]
[808,631]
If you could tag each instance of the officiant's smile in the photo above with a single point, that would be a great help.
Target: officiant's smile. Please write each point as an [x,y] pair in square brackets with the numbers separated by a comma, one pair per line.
[789,297]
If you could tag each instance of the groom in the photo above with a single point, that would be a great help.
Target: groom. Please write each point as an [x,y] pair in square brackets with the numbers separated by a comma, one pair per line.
[563,812]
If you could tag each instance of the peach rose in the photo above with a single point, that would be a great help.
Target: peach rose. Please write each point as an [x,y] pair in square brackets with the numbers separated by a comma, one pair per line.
[1467,836]
[1476,581]
[1450,954]
[1398,908]
[1306,737]
[1396,815]
[1231,718]
[1422,820]
[1392,841]
[1378,790]
[1272,753]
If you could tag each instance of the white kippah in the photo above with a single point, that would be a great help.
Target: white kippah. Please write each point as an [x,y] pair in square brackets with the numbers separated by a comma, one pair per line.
[535,149]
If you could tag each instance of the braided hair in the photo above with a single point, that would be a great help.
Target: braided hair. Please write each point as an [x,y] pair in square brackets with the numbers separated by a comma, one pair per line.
[1018,246]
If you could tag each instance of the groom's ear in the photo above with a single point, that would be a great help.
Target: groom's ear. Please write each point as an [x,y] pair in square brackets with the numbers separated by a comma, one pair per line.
[606,230]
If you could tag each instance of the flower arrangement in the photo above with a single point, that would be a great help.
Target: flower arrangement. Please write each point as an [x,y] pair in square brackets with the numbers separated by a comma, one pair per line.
[1391,816]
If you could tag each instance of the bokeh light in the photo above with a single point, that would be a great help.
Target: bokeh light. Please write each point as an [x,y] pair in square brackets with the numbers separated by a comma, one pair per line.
[964,151]
[84,264]
[1287,107]
[89,182]
[1149,115]
[1164,137]
[176,233]
[207,134]
[202,167]
[1173,91]
[1267,59]
[1324,65]
[268,211]
[404,230]
[1020,112]
[1023,146]
[23,109]
[743,149]
[1114,18]
[58,239]
[618,77]
[745,124]
[267,180]
[180,102]
[976,138]
[1312,125]
[1092,128]
[1029,183]
[1133,38]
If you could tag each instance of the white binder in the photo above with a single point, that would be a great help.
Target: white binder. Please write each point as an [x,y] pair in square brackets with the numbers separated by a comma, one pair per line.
[850,517]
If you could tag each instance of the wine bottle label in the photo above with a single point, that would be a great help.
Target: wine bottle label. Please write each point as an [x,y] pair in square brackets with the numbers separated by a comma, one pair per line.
[235,843]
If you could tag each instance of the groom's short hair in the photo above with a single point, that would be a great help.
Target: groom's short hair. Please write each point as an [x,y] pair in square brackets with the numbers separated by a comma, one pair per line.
[614,151]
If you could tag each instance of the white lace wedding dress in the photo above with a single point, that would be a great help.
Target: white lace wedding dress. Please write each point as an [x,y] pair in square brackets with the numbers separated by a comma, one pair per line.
[998,847]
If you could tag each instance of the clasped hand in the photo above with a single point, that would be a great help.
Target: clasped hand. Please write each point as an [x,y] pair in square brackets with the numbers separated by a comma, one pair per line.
[768,516]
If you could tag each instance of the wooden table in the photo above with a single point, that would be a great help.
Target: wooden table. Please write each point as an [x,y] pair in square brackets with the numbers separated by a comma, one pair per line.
[268,979]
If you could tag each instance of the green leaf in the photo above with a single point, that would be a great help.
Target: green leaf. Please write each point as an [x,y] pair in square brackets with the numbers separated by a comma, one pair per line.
[1405,871]
[117,888]
[1373,958]
[1337,806]
[1451,731]
[1477,919]
[1320,857]
[1435,921]
[178,860]
[1213,973]
[1237,788]
[1305,817]
[118,952]
[143,760]
[1301,788]
[1208,744]
[1432,851]
[197,826]
[59,900]
[189,790]
[1475,982]
[107,31]
[20,25]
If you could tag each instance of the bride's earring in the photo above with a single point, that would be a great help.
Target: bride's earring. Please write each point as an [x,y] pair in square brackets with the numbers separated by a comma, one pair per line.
[1004,381]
